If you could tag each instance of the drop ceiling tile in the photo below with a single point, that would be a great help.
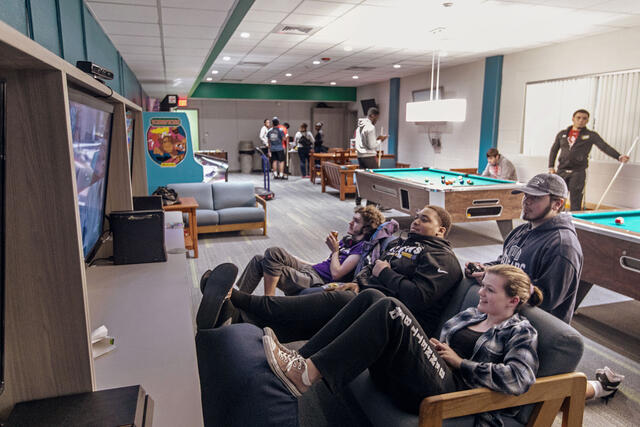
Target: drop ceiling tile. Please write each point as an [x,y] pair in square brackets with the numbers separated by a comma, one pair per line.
[176,42]
[133,50]
[264,16]
[189,17]
[135,2]
[275,37]
[311,7]
[308,20]
[135,40]
[249,26]
[220,5]
[130,29]
[618,6]
[190,31]
[276,5]
[123,12]
[200,53]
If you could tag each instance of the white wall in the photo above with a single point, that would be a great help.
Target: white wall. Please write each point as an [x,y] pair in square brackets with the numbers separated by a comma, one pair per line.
[223,123]
[614,51]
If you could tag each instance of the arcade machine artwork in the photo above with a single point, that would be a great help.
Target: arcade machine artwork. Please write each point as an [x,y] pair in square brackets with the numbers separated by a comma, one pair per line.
[169,150]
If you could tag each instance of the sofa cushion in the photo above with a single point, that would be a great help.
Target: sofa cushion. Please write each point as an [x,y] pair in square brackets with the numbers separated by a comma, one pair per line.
[237,386]
[233,195]
[201,191]
[204,217]
[240,215]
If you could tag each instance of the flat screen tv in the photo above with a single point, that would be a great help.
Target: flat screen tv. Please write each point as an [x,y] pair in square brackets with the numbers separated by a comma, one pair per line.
[3,126]
[130,121]
[91,121]
[366,104]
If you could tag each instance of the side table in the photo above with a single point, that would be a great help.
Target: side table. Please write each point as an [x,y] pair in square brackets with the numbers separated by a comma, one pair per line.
[188,205]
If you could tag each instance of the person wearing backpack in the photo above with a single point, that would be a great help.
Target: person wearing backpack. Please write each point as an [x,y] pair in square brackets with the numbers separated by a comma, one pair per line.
[304,140]
[275,136]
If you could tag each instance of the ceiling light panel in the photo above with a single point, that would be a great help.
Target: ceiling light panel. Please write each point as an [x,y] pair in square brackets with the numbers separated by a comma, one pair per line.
[123,12]
[131,28]
[311,7]
[176,16]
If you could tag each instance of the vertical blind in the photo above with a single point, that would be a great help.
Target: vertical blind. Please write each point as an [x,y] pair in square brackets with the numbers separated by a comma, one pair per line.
[612,99]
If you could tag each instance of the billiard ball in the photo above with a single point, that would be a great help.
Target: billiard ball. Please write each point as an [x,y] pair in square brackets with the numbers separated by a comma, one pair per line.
[442,177]
[469,182]
[620,220]
[426,180]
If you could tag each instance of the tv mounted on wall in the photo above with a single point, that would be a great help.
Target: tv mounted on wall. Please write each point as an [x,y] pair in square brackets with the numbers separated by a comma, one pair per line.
[91,121]
[366,104]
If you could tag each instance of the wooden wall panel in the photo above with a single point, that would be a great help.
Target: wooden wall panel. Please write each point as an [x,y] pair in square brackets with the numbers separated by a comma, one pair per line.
[47,345]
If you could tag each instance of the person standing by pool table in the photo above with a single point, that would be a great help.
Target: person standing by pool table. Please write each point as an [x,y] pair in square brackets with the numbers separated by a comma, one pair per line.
[546,247]
[499,167]
[574,144]
[367,143]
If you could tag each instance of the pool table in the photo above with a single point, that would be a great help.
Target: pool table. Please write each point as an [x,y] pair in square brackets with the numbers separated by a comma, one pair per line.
[611,251]
[410,189]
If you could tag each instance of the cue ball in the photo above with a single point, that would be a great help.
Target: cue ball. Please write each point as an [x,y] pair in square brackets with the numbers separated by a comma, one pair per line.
[620,220]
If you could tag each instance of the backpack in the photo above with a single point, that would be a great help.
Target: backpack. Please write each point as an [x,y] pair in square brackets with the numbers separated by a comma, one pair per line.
[169,195]
[304,141]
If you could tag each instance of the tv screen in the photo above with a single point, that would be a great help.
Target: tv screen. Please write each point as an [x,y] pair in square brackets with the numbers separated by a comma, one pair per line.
[91,133]
[130,121]
[366,104]
[2,223]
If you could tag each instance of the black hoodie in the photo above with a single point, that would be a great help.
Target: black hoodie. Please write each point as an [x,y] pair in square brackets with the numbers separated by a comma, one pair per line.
[552,256]
[424,272]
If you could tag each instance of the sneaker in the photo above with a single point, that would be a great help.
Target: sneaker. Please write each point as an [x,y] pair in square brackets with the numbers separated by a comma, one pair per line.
[291,370]
[215,287]
[269,332]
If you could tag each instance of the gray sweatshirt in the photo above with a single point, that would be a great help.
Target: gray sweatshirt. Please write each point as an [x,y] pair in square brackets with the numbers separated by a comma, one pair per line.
[366,140]
[506,170]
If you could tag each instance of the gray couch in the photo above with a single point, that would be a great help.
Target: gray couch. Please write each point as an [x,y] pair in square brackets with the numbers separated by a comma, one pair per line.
[225,206]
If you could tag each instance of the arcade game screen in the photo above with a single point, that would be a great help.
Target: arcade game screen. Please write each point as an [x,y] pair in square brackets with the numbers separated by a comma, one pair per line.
[91,131]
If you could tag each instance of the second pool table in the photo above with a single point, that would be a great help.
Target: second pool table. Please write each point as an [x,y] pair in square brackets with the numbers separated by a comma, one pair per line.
[410,189]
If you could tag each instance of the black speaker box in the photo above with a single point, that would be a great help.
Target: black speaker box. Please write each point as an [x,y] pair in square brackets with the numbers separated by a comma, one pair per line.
[138,236]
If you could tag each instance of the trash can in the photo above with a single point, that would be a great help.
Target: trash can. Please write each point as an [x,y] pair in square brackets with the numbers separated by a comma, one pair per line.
[245,148]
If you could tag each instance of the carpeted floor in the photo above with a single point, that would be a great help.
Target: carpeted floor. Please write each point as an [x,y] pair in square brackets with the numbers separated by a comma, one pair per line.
[299,218]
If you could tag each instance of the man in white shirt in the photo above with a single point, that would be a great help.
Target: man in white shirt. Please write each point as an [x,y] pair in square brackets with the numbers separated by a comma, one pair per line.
[263,131]
[367,143]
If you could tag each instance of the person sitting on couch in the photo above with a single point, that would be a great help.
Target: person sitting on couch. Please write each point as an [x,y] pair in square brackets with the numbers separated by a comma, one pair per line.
[490,345]
[291,274]
[420,270]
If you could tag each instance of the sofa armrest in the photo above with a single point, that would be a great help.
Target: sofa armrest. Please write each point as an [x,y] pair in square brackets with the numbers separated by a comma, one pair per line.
[262,202]
[554,393]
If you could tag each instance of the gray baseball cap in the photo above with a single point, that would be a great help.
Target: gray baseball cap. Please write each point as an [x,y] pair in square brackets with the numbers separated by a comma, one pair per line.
[543,184]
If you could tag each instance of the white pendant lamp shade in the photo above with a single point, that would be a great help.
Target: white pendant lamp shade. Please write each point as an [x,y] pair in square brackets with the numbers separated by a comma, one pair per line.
[441,110]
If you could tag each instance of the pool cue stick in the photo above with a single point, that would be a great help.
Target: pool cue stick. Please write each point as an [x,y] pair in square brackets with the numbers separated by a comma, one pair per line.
[380,147]
[635,141]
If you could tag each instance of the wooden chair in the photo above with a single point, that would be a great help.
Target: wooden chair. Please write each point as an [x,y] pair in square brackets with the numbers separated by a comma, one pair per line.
[339,177]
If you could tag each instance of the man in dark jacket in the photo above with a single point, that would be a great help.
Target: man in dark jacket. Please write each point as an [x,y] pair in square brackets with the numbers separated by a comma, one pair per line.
[421,271]
[575,144]
[546,247]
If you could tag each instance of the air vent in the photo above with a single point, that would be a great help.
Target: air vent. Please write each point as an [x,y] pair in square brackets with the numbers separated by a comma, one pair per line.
[253,64]
[314,83]
[357,68]
[298,30]
[232,80]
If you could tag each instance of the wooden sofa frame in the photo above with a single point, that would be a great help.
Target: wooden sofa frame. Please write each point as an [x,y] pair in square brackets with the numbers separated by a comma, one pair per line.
[202,229]
[341,177]
[551,394]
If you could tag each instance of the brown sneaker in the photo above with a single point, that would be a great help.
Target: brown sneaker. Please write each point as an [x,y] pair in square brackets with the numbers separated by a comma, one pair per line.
[292,370]
[269,332]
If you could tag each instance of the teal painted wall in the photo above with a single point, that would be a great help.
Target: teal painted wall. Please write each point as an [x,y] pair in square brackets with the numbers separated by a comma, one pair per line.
[67,28]
[280,92]
[490,107]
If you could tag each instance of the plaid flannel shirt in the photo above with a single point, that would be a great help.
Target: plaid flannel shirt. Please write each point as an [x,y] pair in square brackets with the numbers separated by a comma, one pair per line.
[504,358]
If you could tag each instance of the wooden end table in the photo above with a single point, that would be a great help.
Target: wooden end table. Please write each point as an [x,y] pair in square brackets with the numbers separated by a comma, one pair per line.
[188,205]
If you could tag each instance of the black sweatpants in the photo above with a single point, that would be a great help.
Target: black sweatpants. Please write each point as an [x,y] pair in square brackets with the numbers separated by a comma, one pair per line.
[380,333]
[575,182]
[292,318]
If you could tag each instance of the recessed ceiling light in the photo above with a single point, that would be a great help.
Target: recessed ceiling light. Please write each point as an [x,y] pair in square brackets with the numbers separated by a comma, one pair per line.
[288,74]
[274,81]
[347,48]
[316,62]
[245,35]
[209,79]
[397,65]
[332,83]
[226,58]
[214,71]
[355,77]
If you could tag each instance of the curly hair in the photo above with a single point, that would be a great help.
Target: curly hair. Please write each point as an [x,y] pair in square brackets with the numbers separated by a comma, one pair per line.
[371,218]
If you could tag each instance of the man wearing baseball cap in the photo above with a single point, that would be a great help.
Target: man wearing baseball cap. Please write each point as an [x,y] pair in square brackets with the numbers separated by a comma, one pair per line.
[546,247]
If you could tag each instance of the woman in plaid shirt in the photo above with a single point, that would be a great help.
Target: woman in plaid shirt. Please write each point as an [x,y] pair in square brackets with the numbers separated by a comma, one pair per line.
[490,345]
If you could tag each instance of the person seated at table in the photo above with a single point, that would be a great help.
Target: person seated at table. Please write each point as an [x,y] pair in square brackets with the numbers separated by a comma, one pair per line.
[421,270]
[490,345]
[499,167]
[546,247]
